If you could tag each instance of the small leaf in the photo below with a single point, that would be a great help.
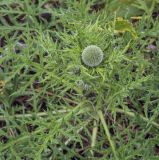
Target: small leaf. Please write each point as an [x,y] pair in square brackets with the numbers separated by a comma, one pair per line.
[122,26]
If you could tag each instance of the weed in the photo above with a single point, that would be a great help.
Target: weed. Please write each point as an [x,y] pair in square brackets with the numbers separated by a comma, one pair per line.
[53,106]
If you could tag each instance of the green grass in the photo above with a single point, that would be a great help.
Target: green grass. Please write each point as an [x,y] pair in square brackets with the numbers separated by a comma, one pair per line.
[45,113]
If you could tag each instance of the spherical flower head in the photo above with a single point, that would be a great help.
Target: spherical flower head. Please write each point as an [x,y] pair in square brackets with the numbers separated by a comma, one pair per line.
[92,56]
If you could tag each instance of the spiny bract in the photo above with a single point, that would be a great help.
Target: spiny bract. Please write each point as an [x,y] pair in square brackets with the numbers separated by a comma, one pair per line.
[92,56]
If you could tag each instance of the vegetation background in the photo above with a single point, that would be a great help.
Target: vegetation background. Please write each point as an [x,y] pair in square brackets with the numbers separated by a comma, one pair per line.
[52,106]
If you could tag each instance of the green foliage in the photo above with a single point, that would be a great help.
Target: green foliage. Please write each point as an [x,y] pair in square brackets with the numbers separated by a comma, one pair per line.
[130,8]
[52,106]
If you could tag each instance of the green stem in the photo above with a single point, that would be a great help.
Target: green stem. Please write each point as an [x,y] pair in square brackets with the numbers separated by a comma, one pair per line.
[107,133]
[94,134]
[131,114]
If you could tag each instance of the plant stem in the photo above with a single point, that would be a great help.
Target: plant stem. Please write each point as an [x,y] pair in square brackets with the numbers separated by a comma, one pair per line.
[40,114]
[94,135]
[131,114]
[107,133]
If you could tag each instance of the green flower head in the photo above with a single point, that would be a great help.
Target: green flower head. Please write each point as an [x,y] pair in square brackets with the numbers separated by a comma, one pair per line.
[92,56]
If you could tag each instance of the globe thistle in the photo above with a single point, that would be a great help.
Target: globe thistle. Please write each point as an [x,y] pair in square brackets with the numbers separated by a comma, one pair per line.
[92,56]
